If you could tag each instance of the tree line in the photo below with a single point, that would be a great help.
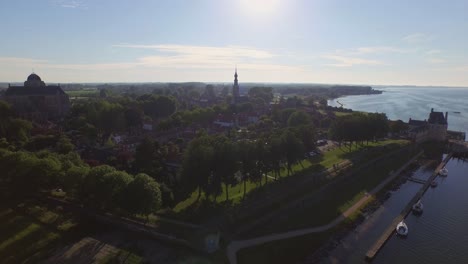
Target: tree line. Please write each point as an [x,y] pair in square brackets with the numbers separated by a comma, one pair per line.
[212,162]
[102,187]
[359,127]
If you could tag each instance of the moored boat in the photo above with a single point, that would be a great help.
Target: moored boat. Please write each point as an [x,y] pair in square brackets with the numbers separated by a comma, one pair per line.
[402,229]
[418,207]
[443,172]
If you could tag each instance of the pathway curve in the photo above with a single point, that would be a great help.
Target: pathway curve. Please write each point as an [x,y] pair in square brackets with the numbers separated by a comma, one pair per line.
[237,245]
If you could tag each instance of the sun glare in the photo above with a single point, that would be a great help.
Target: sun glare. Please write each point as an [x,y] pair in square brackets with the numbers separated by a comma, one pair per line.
[261,8]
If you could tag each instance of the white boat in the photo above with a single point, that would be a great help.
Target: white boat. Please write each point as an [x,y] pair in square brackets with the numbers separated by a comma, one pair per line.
[443,172]
[402,229]
[418,207]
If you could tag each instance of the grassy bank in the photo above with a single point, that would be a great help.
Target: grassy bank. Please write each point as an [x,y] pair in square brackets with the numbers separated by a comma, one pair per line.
[323,211]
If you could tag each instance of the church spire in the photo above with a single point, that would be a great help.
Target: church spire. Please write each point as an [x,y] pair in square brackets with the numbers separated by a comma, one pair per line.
[235,88]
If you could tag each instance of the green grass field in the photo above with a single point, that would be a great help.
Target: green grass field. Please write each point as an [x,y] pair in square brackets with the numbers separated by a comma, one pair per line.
[309,166]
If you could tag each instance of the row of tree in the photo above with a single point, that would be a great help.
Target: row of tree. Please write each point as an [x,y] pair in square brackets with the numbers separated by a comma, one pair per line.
[212,161]
[359,127]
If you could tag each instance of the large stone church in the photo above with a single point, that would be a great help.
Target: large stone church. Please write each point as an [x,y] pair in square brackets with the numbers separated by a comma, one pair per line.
[37,101]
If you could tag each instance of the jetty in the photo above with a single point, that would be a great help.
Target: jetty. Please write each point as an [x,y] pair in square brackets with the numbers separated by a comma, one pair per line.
[416,180]
[372,252]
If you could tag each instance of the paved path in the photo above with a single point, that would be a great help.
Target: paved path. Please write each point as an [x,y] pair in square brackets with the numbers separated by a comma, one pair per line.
[235,246]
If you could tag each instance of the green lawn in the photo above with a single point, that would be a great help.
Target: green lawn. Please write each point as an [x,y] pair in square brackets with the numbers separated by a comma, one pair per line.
[343,196]
[309,166]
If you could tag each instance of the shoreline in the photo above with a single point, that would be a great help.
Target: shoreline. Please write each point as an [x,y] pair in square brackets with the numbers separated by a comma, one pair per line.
[366,212]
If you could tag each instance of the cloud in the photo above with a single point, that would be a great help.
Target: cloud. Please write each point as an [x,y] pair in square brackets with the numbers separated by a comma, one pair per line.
[360,56]
[344,61]
[205,51]
[179,57]
[436,60]
[20,61]
[70,3]
[208,57]
[371,50]
[433,52]
[380,49]
[418,38]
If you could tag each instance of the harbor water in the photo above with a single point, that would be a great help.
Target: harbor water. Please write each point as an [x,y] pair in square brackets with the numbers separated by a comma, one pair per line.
[440,233]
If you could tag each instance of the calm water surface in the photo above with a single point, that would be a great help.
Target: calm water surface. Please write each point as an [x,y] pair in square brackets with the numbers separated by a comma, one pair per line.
[439,235]
[415,102]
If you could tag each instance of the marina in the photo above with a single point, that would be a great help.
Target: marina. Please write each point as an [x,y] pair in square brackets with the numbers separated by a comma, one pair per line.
[391,229]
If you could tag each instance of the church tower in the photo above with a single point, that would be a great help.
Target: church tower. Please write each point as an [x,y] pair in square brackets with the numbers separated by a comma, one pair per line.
[235,89]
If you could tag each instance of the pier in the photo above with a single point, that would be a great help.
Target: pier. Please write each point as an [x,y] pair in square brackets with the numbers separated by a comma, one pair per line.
[391,229]
[416,180]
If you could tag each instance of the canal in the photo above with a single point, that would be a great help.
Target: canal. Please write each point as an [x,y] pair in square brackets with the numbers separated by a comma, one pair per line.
[439,235]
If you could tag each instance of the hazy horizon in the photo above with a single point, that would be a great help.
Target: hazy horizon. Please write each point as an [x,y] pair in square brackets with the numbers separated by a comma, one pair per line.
[417,43]
[377,86]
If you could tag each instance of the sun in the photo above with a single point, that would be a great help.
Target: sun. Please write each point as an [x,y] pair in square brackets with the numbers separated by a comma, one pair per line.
[261,8]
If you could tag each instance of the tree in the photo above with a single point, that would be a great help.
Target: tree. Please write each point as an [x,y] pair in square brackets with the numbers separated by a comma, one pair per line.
[285,114]
[74,178]
[397,126]
[90,187]
[299,118]
[133,117]
[110,189]
[264,93]
[111,118]
[225,161]
[196,165]
[209,91]
[64,145]
[293,149]
[143,195]
[158,106]
[149,158]
[248,160]
[307,135]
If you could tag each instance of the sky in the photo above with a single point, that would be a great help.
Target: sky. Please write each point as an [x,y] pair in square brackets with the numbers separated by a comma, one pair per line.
[384,42]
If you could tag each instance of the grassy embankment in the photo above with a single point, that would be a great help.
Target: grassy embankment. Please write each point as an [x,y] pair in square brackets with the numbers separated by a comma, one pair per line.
[328,208]
[308,168]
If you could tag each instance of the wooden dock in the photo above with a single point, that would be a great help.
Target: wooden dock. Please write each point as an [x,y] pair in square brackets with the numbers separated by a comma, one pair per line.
[416,180]
[391,228]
